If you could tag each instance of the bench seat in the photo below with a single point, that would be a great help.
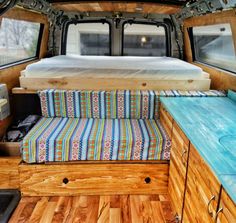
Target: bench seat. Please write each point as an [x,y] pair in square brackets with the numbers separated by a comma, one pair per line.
[71,139]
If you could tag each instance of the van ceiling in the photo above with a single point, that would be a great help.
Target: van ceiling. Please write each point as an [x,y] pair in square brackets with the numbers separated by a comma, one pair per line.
[161,6]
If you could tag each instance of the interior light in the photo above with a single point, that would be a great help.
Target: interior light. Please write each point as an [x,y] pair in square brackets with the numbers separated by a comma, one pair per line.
[144,39]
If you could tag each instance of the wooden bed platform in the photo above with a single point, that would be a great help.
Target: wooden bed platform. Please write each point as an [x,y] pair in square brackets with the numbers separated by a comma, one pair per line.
[82,83]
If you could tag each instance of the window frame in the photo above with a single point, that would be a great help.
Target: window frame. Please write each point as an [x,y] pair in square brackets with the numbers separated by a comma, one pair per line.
[40,36]
[66,27]
[193,48]
[163,24]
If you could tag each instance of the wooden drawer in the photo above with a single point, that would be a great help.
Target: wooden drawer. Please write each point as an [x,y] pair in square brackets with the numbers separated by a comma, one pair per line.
[202,191]
[227,209]
[178,169]
[93,179]
[9,173]
[166,120]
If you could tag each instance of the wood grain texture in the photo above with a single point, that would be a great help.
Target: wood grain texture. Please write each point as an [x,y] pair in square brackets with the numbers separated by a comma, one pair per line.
[220,79]
[228,214]
[206,121]
[9,174]
[92,179]
[202,185]
[178,169]
[118,7]
[94,209]
[82,83]
[166,120]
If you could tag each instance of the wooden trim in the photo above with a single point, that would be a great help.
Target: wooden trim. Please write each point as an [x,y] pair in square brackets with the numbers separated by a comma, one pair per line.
[82,83]
[92,179]
[221,80]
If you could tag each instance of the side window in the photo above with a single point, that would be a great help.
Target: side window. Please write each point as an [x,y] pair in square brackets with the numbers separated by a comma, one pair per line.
[88,39]
[144,40]
[214,45]
[19,41]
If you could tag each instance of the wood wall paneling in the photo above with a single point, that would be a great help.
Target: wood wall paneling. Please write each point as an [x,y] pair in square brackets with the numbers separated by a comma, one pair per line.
[119,7]
[10,75]
[92,179]
[220,79]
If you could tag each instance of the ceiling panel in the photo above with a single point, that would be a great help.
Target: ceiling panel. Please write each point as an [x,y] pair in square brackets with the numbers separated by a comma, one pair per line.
[119,7]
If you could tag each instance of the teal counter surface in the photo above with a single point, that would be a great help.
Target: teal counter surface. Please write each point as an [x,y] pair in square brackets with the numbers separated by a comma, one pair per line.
[210,125]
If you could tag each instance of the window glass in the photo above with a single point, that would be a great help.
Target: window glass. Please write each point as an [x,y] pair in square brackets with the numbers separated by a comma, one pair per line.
[214,45]
[18,40]
[144,40]
[88,39]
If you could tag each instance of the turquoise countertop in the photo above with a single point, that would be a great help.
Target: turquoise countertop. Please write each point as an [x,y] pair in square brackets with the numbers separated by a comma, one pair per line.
[210,125]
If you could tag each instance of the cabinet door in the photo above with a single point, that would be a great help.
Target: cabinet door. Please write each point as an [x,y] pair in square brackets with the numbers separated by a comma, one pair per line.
[202,191]
[178,168]
[166,120]
[227,209]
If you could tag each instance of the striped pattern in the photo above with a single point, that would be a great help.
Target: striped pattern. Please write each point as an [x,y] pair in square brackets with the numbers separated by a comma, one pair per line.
[98,104]
[67,139]
[178,93]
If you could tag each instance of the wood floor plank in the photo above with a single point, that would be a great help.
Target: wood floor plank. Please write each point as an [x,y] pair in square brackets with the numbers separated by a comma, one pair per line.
[115,215]
[48,213]
[94,209]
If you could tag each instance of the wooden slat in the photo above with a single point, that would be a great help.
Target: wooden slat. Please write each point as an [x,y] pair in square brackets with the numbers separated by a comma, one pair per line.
[228,214]
[221,79]
[83,83]
[119,7]
[47,180]
[202,185]
[178,169]
[10,149]
[94,209]
[166,120]
[9,174]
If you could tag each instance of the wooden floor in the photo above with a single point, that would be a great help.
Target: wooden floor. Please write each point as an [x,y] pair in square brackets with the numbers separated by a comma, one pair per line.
[90,209]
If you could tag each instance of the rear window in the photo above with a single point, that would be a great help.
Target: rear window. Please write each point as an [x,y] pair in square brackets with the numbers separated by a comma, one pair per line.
[88,39]
[19,40]
[144,40]
[214,45]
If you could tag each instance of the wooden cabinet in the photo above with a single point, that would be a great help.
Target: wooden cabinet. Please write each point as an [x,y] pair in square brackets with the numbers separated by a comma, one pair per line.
[178,169]
[166,120]
[202,191]
[227,209]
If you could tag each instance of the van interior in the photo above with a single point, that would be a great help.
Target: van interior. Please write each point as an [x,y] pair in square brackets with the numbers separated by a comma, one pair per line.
[118,111]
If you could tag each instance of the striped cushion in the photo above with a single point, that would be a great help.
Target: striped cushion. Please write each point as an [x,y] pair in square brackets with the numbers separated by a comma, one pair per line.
[98,104]
[68,139]
[178,93]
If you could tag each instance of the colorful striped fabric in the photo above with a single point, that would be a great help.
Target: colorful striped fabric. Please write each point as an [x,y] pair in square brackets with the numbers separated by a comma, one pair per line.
[98,104]
[178,93]
[70,139]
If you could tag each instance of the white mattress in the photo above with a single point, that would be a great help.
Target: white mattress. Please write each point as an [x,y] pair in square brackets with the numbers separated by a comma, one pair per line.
[114,66]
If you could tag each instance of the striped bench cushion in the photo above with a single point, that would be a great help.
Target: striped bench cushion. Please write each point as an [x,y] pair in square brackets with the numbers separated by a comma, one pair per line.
[99,104]
[69,139]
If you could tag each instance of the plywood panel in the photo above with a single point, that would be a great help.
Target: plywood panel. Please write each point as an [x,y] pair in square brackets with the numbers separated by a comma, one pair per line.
[178,169]
[9,174]
[221,79]
[90,179]
[119,7]
[112,84]
[202,191]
